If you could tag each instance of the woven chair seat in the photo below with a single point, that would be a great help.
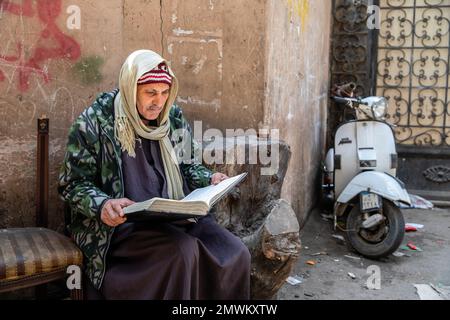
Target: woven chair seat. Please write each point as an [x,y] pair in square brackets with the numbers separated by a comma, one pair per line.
[31,256]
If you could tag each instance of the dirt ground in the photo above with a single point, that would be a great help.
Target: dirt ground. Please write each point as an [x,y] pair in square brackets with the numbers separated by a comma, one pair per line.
[329,277]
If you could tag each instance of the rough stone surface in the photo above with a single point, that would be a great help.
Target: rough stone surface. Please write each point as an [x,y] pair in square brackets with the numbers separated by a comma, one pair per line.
[265,223]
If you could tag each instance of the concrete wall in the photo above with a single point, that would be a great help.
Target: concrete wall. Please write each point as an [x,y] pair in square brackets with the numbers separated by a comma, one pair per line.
[230,56]
[297,68]
[217,50]
[49,67]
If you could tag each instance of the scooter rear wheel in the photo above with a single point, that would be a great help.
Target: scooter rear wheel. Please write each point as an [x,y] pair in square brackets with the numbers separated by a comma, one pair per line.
[380,241]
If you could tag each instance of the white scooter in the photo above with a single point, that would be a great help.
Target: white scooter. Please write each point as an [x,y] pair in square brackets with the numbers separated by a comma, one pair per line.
[359,176]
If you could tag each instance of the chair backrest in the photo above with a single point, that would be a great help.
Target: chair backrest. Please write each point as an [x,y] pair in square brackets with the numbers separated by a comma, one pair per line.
[42,183]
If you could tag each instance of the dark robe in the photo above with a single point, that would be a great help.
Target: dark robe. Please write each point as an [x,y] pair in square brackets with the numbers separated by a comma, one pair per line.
[178,260]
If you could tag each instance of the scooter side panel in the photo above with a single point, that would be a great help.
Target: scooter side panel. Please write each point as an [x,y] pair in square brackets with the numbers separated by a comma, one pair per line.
[379,136]
[345,146]
[361,140]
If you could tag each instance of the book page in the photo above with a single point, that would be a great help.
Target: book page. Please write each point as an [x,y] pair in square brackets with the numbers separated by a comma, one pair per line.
[197,201]
[138,206]
[211,192]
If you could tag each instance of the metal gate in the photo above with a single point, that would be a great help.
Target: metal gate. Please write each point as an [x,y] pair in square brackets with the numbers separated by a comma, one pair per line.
[407,61]
[413,73]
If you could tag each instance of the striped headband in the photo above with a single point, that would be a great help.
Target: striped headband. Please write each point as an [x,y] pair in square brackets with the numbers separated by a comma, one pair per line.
[160,74]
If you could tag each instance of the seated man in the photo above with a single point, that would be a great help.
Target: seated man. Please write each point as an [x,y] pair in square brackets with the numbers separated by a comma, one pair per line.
[118,152]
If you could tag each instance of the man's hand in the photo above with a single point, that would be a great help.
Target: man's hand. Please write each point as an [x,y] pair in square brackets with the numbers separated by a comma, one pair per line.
[218,177]
[112,213]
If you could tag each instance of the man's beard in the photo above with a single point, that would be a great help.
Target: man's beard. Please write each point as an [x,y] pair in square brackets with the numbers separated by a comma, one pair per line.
[153,123]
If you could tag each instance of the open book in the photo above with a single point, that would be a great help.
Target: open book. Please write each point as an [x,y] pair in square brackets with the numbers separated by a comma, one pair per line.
[194,205]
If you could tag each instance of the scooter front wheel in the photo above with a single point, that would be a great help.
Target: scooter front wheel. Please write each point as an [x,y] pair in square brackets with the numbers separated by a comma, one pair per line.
[380,240]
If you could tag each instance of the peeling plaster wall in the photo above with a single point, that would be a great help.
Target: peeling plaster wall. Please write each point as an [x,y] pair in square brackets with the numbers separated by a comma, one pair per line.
[228,55]
[44,71]
[296,93]
[217,50]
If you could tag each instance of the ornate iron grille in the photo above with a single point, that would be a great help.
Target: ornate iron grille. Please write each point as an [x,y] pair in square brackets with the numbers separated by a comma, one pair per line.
[352,58]
[352,45]
[413,69]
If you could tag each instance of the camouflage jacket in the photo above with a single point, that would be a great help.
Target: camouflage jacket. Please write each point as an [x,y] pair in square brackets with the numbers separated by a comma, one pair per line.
[92,173]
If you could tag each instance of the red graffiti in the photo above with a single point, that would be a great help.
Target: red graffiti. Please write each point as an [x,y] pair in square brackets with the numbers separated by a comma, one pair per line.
[66,47]
[26,9]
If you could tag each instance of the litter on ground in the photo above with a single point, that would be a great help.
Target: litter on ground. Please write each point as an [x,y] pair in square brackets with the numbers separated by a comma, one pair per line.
[417,203]
[294,280]
[430,292]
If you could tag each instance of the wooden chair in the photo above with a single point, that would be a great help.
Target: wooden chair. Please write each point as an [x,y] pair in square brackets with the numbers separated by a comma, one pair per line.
[36,256]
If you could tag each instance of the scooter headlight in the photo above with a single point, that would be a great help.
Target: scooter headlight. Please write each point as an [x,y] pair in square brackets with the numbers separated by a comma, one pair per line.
[379,109]
[378,105]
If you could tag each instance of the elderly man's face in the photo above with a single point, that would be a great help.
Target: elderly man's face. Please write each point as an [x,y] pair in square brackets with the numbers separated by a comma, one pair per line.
[151,99]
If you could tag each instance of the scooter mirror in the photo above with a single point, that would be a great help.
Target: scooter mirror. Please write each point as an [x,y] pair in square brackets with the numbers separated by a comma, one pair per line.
[374,106]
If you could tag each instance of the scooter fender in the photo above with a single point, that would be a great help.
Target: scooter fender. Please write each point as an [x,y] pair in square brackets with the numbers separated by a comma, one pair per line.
[381,183]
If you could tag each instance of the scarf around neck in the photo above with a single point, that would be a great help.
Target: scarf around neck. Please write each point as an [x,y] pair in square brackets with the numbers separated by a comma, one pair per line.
[128,125]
